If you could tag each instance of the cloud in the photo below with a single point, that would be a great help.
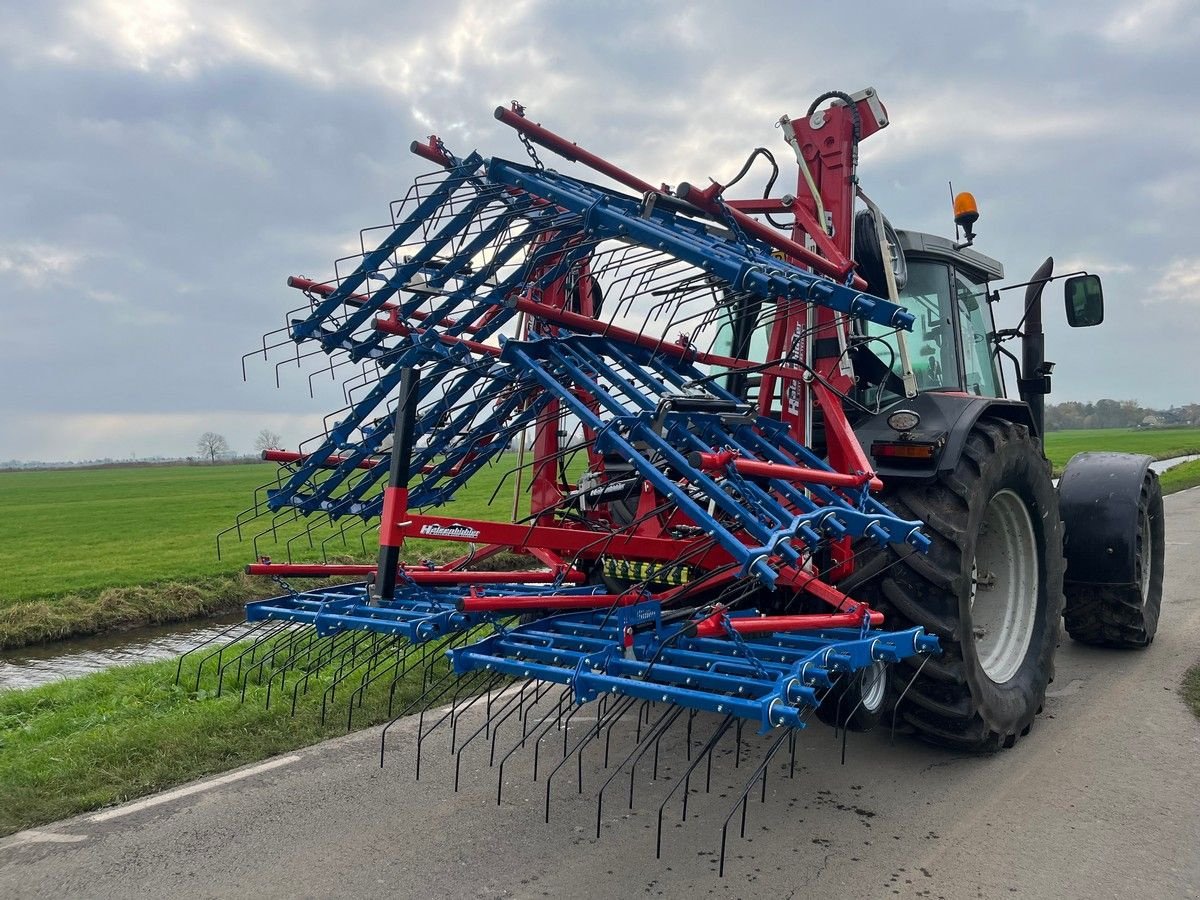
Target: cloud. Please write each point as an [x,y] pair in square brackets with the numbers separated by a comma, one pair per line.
[36,264]
[167,164]
[1178,285]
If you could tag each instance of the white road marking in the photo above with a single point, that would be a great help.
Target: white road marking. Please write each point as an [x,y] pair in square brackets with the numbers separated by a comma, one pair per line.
[119,811]
[33,836]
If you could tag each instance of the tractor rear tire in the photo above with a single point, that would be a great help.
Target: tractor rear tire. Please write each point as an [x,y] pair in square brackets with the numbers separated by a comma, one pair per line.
[1125,615]
[990,588]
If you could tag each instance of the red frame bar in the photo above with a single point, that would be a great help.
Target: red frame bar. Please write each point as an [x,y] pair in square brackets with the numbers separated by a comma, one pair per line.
[331,462]
[576,322]
[572,151]
[324,289]
[418,574]
[391,326]
[838,267]
[716,461]
[713,626]
[588,544]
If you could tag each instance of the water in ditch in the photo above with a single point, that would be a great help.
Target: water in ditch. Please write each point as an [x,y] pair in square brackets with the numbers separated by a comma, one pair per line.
[42,664]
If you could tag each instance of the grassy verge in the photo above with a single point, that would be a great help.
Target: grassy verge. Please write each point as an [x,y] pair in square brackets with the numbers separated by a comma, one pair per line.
[107,738]
[1161,443]
[84,613]
[1190,689]
[1181,477]
[1164,443]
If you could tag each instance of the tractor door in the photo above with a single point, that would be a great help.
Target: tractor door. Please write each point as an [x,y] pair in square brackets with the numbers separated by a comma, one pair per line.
[949,346]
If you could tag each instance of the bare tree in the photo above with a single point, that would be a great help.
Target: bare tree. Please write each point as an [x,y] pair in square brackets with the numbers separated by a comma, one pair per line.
[212,445]
[267,440]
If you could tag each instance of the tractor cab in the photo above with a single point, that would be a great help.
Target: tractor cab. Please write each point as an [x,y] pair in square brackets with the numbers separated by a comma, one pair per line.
[950,347]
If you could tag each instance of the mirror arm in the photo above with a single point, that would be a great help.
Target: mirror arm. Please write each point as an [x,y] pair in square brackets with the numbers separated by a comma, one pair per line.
[1009,287]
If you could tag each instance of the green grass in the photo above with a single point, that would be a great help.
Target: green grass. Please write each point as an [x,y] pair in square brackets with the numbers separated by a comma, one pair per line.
[84,530]
[1161,443]
[88,742]
[1180,477]
[1190,689]
[87,550]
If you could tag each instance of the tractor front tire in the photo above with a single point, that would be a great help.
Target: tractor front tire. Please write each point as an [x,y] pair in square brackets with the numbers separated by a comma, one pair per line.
[990,588]
[1125,615]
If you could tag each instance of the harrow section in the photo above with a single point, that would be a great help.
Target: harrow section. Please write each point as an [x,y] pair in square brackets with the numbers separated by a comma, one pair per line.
[683,527]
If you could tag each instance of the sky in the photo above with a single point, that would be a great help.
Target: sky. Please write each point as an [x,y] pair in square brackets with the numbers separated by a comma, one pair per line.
[166,165]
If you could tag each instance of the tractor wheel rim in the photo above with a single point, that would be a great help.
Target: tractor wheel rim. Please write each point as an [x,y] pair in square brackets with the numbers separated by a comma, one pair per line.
[1145,557]
[874,686]
[1004,587]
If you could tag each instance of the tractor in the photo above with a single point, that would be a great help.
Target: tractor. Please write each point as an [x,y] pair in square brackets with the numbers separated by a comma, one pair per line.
[1011,554]
[762,456]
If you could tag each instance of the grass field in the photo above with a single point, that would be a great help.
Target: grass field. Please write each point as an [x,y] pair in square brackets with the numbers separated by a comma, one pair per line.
[86,550]
[85,530]
[1161,443]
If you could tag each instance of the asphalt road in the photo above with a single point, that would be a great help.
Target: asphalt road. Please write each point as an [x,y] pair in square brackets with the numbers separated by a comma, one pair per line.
[1101,800]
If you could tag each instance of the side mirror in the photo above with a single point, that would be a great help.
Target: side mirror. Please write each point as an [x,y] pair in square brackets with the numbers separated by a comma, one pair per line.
[1085,301]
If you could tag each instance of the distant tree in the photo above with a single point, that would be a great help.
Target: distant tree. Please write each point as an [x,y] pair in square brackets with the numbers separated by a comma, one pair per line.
[267,440]
[212,445]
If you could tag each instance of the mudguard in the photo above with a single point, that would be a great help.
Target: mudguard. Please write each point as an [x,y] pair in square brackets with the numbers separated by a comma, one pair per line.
[1098,496]
[947,419]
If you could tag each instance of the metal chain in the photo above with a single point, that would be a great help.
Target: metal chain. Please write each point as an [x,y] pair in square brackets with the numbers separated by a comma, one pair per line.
[283,584]
[524,139]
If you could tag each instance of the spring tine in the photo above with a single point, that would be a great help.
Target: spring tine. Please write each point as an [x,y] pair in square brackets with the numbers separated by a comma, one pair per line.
[341,676]
[540,689]
[643,746]
[685,781]
[442,685]
[566,726]
[510,706]
[225,632]
[465,684]
[307,634]
[557,725]
[521,743]
[619,709]
[400,650]
[609,726]
[759,772]
[633,768]
[900,699]
[266,636]
[220,650]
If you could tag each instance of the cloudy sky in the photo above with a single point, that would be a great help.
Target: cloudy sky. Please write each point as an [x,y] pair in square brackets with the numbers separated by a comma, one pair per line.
[165,165]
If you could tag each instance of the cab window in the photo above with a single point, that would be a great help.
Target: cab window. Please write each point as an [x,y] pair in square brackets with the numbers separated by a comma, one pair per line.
[978,363]
[931,345]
